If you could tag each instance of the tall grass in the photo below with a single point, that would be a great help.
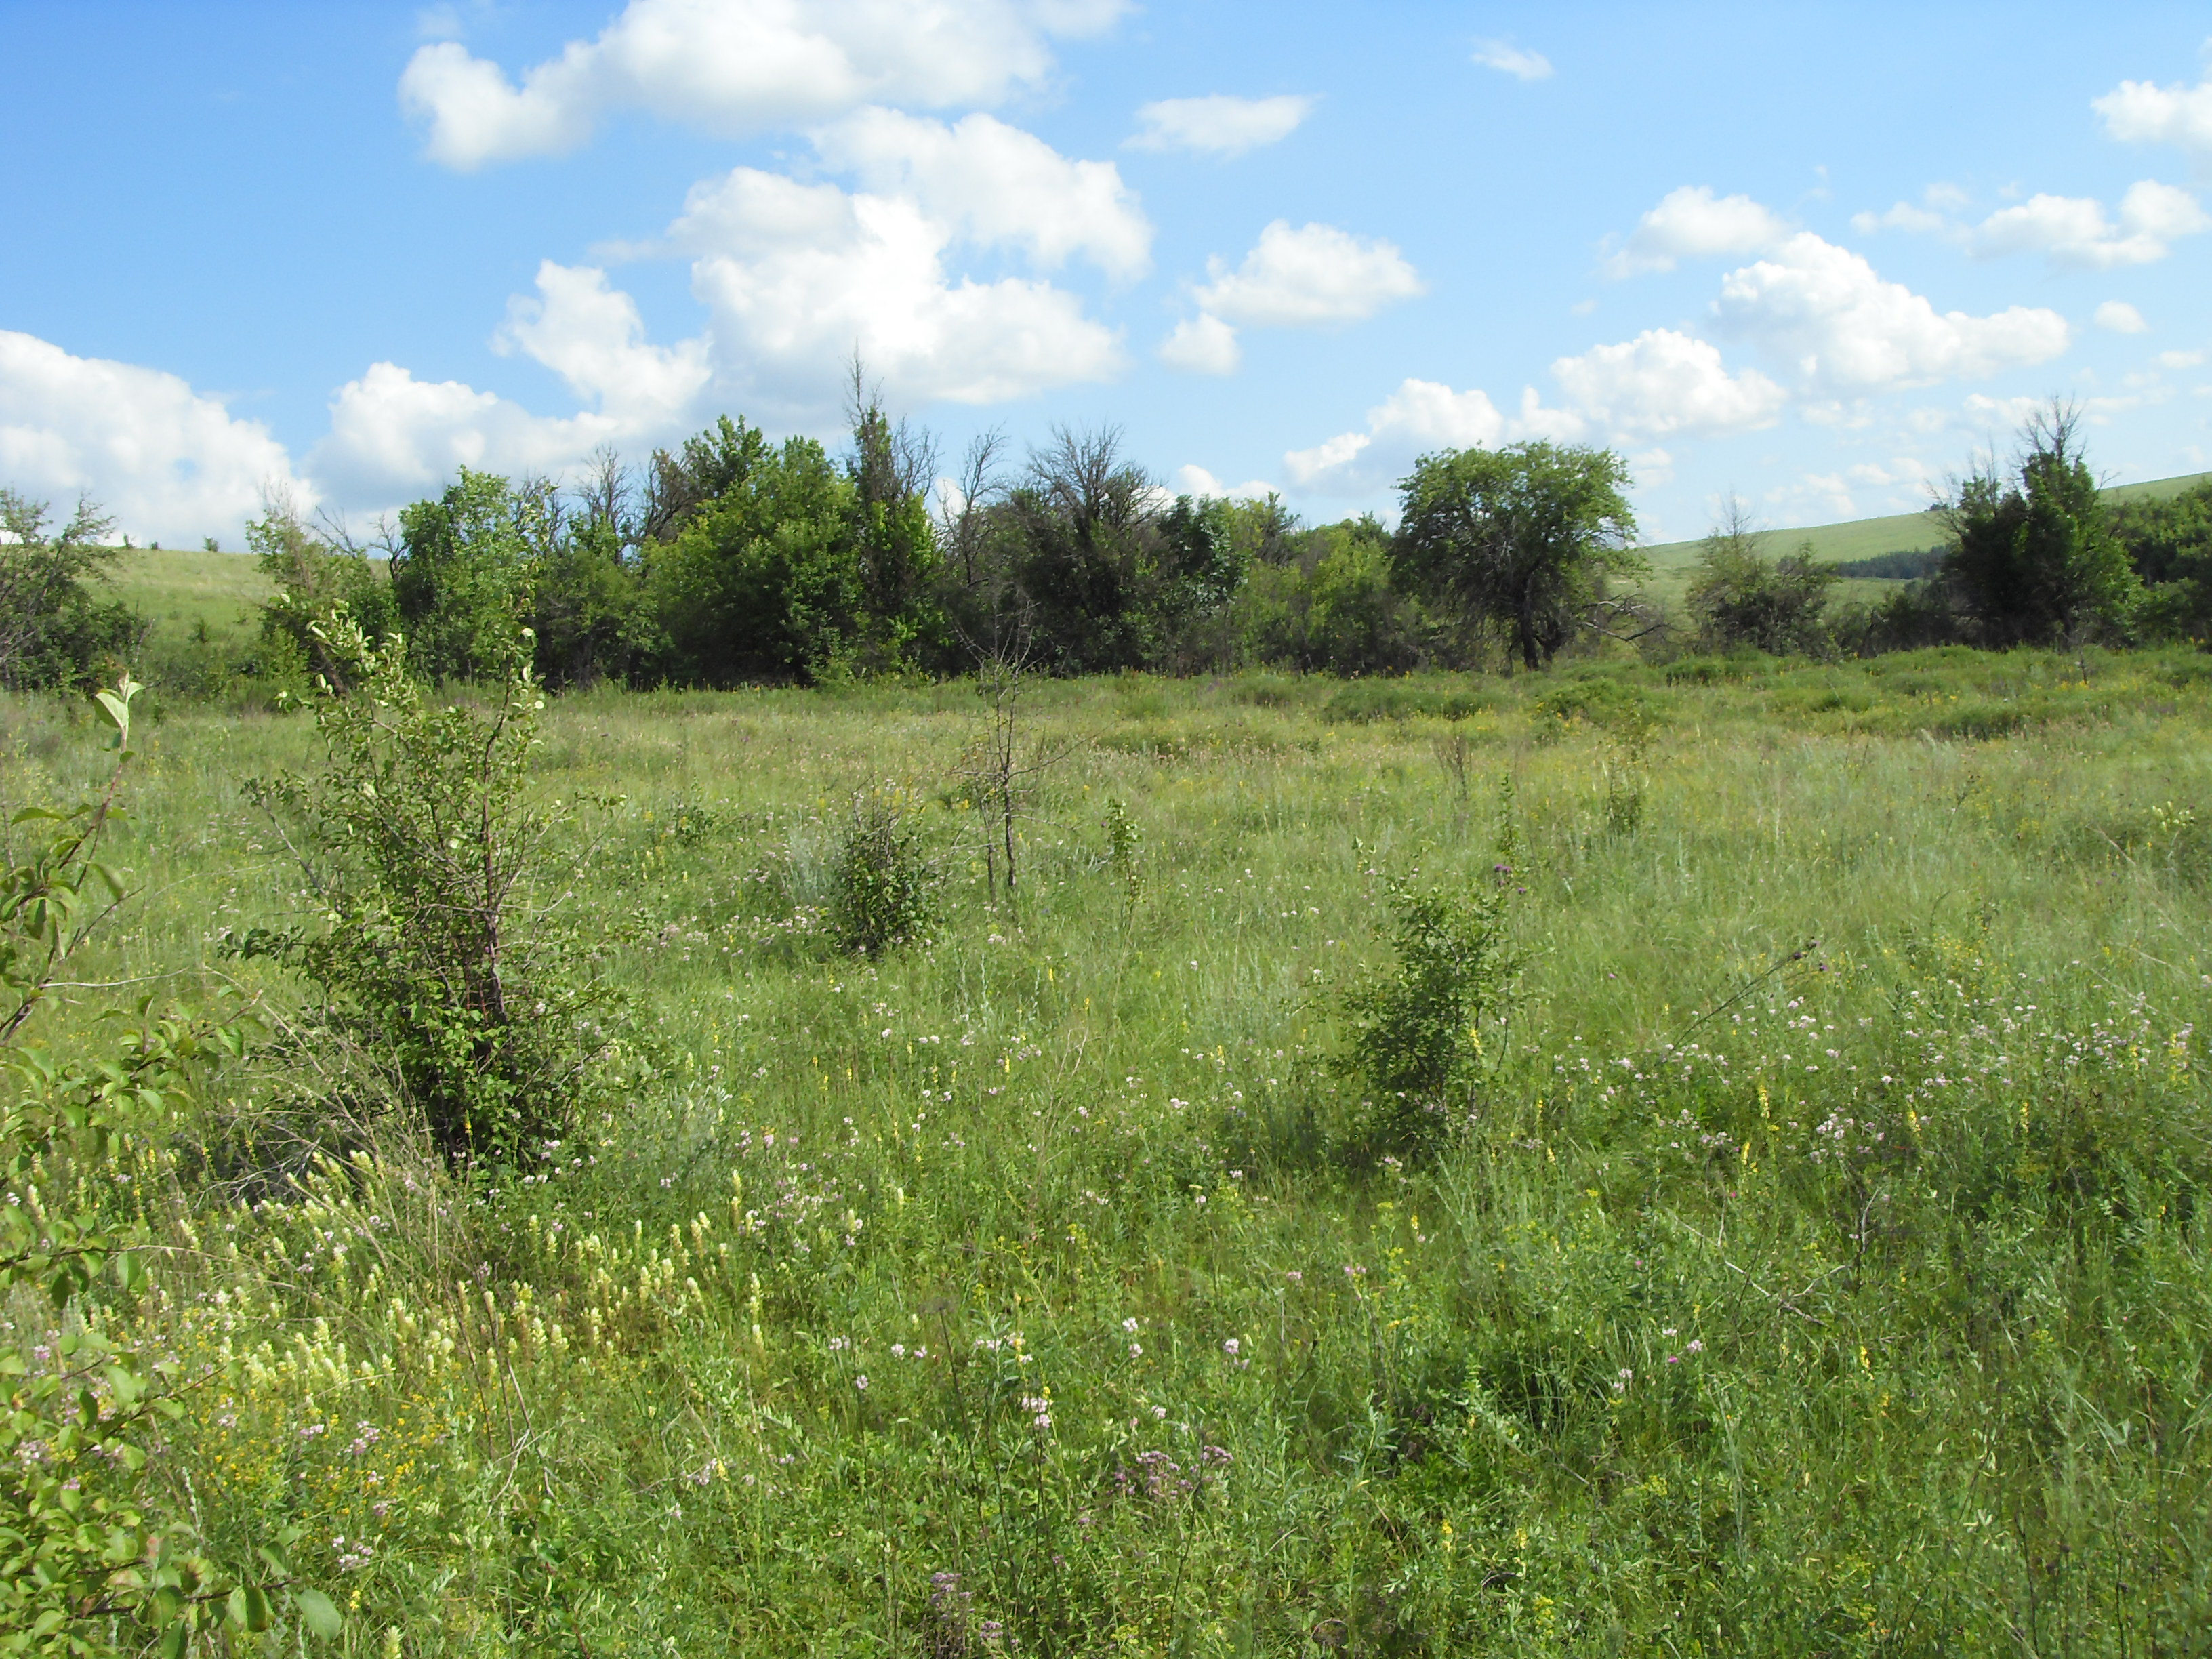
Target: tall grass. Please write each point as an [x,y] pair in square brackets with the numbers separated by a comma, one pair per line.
[1822,1271]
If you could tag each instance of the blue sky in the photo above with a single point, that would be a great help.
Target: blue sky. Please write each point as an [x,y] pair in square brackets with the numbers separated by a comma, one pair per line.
[1816,255]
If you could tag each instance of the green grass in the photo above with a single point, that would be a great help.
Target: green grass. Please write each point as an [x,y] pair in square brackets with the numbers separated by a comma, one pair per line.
[179,592]
[1853,1301]
[1866,538]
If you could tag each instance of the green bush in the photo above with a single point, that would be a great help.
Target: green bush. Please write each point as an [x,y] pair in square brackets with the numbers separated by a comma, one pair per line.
[884,887]
[442,945]
[1417,1025]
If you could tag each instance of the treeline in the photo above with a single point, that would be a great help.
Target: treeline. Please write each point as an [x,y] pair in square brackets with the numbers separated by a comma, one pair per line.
[734,559]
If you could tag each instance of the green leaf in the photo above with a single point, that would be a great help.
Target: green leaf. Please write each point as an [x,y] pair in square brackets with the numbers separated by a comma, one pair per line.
[175,1641]
[318,1612]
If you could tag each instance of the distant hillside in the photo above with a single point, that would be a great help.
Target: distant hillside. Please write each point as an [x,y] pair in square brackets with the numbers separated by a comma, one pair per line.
[1900,534]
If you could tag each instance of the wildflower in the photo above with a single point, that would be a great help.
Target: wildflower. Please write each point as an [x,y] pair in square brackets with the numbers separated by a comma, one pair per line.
[861,1383]
[1696,1345]
[1230,1347]
[898,1350]
[1136,1351]
[1129,1325]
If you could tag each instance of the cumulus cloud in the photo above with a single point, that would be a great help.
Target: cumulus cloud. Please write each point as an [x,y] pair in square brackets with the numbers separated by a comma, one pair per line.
[1218,125]
[1509,59]
[2120,317]
[1314,274]
[1661,383]
[986,182]
[732,67]
[1691,223]
[1203,345]
[2144,112]
[1197,481]
[392,435]
[2073,230]
[172,464]
[1824,312]
[593,337]
[798,276]
[1419,417]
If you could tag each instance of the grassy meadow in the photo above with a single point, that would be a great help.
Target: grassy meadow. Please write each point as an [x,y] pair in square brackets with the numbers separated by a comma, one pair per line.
[1819,1268]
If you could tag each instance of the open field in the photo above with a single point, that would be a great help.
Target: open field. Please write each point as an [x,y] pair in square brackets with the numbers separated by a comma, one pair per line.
[1037,1291]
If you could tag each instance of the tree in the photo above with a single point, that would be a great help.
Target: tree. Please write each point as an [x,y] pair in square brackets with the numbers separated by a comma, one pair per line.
[1740,596]
[462,573]
[1518,541]
[52,630]
[2033,560]
[2169,543]
[761,583]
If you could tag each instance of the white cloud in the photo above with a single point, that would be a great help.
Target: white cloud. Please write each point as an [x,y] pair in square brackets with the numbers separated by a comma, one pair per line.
[1219,124]
[799,277]
[2144,112]
[1664,383]
[1823,310]
[1314,274]
[2073,230]
[1197,481]
[1202,344]
[732,67]
[2180,359]
[593,337]
[1419,417]
[2120,316]
[1517,61]
[1691,223]
[172,464]
[394,436]
[988,183]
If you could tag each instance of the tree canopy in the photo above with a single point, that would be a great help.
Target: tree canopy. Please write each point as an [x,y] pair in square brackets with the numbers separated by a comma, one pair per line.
[1518,541]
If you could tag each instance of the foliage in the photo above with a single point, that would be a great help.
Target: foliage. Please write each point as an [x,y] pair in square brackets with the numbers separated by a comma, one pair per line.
[462,574]
[439,883]
[1740,596]
[53,631]
[884,890]
[2169,543]
[765,582]
[91,1551]
[311,578]
[1518,541]
[1417,1026]
[2033,560]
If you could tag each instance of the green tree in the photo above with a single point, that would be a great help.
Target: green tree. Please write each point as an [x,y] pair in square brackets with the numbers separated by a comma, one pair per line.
[762,582]
[1517,542]
[463,573]
[53,631]
[2033,560]
[2169,543]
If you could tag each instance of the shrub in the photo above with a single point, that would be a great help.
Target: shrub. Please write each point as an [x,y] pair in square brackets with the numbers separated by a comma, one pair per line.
[1417,1027]
[53,631]
[442,945]
[884,894]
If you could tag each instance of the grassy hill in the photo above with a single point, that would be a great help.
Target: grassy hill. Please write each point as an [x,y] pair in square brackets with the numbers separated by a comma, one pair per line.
[1896,533]
[177,591]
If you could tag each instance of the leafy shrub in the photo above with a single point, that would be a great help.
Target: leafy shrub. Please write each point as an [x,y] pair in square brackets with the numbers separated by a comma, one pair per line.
[1364,700]
[1417,1027]
[442,947]
[1125,851]
[1602,702]
[884,892]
